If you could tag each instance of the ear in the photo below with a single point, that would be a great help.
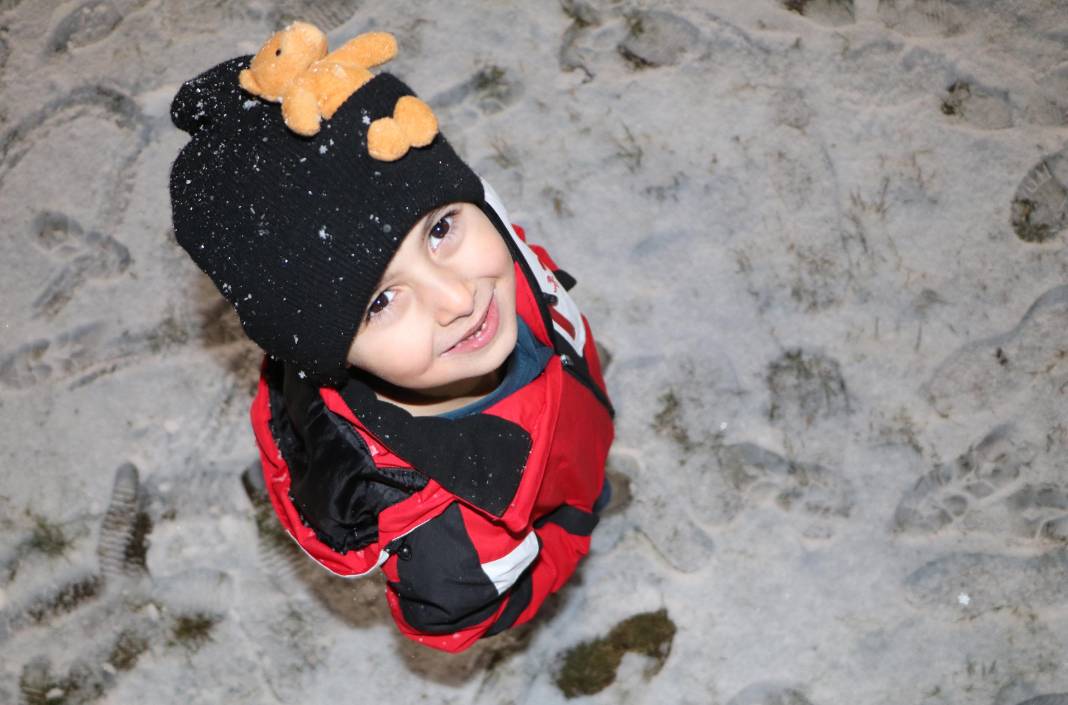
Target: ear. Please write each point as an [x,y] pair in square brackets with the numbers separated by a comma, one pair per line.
[417,119]
[386,140]
[304,40]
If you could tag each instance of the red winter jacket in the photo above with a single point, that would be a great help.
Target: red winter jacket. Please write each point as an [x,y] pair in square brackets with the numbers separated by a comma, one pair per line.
[474,521]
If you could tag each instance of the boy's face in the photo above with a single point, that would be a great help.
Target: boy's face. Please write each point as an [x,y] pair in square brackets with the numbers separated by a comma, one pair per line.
[442,320]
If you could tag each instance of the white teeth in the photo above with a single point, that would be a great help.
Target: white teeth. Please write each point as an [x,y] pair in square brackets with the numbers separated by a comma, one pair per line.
[480,331]
[477,333]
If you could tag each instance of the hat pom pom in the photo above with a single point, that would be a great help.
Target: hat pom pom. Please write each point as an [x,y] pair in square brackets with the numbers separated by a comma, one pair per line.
[199,100]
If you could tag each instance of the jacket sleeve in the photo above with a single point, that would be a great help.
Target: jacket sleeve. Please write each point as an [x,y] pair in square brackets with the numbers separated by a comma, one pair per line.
[460,577]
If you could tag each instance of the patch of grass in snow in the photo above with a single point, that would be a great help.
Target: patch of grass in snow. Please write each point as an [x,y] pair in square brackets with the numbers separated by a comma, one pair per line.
[39,686]
[628,150]
[503,153]
[956,95]
[495,88]
[1027,227]
[799,6]
[127,649]
[668,421]
[193,630]
[591,666]
[559,201]
[581,13]
[48,538]
[806,385]
[490,80]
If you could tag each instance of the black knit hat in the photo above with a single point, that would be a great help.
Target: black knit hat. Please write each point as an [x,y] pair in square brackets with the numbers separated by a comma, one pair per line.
[297,231]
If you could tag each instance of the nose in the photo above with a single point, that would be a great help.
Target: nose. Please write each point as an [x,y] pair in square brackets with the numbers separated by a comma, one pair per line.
[450,296]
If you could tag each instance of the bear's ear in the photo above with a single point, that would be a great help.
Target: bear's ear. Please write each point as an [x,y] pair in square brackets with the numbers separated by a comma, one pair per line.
[305,40]
[386,140]
[413,125]
[417,119]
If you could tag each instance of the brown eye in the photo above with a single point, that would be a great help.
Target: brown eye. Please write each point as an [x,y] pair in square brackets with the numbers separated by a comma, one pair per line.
[440,231]
[441,228]
[278,51]
[380,303]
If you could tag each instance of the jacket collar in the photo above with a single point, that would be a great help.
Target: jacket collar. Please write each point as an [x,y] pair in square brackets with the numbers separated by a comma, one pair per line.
[479,458]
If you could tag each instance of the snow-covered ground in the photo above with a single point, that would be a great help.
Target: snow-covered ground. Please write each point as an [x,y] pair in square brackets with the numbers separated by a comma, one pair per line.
[822,240]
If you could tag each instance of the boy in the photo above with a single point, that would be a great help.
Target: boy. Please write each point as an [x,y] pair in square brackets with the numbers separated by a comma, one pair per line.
[431,402]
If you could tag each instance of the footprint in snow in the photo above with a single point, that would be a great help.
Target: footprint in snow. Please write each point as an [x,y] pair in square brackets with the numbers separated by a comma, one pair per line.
[109,617]
[84,257]
[1028,363]
[1051,699]
[921,17]
[983,582]
[986,109]
[327,15]
[86,353]
[658,38]
[744,476]
[1040,205]
[86,24]
[1002,484]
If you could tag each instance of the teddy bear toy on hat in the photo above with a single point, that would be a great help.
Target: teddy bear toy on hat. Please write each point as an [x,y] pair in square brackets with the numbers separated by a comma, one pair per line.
[293,68]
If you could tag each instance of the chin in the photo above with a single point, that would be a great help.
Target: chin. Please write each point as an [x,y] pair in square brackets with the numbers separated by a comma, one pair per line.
[473,372]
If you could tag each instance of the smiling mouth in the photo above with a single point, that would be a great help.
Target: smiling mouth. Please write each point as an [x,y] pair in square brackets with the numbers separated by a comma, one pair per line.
[479,335]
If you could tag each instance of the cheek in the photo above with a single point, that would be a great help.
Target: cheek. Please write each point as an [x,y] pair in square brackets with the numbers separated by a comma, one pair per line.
[496,262]
[397,354]
[402,365]
[507,283]
[501,255]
